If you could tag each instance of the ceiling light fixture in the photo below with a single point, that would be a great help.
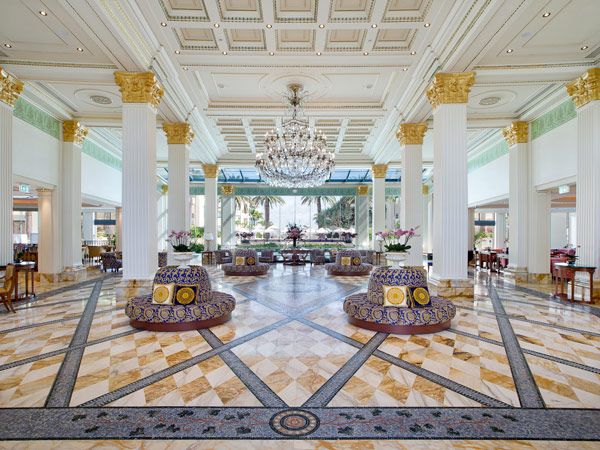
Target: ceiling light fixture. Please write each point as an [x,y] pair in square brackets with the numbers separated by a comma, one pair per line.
[224,53]
[43,13]
[8,45]
[295,156]
[426,24]
[271,53]
[585,47]
[163,24]
[269,25]
[318,53]
[322,26]
[510,50]
[79,49]
[546,14]
[405,69]
[366,53]
[413,53]
[374,25]
[216,25]
[177,52]
[185,68]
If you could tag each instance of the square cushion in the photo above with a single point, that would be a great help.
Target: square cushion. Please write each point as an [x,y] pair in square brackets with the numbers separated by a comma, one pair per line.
[250,261]
[397,296]
[356,261]
[240,260]
[420,296]
[185,294]
[162,294]
[345,260]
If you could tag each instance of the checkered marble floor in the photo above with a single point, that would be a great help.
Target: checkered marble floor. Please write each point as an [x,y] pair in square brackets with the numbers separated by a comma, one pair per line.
[289,346]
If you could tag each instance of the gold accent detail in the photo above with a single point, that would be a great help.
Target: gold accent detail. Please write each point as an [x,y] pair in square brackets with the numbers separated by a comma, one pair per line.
[585,88]
[411,133]
[515,133]
[450,88]
[178,133]
[210,170]
[74,132]
[227,189]
[362,190]
[164,189]
[10,88]
[379,170]
[139,87]
[425,190]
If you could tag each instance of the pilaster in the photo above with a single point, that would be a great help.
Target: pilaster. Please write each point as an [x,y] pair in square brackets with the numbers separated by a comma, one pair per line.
[378,171]
[410,137]
[448,94]
[10,89]
[361,216]
[210,204]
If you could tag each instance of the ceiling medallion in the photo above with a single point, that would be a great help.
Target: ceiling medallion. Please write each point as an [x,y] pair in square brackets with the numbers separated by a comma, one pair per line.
[101,99]
[488,101]
[295,156]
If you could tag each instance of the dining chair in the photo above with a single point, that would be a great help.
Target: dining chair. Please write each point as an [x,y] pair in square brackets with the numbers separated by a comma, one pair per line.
[9,286]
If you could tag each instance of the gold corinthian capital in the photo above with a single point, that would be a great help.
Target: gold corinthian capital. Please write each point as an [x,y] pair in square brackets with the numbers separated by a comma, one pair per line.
[585,88]
[450,88]
[178,133]
[210,170]
[227,189]
[139,87]
[411,133]
[515,133]
[379,170]
[10,88]
[362,190]
[74,132]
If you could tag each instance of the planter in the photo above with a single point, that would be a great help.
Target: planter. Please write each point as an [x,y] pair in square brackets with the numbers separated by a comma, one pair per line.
[183,258]
[396,258]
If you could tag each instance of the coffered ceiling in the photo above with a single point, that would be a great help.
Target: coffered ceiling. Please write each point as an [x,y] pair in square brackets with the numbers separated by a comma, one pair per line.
[364,63]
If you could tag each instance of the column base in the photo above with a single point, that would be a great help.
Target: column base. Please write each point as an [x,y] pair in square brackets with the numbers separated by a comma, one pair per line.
[539,278]
[49,277]
[453,289]
[516,275]
[134,288]
[75,273]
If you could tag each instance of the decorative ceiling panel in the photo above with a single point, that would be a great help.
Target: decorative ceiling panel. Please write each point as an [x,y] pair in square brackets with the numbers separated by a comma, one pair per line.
[184,10]
[394,40]
[240,10]
[345,40]
[406,10]
[296,11]
[351,10]
[195,39]
[295,40]
[245,39]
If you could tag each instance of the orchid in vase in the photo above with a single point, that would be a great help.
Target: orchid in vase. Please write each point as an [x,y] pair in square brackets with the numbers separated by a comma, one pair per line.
[180,241]
[397,240]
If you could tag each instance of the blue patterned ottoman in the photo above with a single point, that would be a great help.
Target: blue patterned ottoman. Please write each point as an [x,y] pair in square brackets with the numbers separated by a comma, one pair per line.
[245,262]
[203,309]
[348,263]
[368,310]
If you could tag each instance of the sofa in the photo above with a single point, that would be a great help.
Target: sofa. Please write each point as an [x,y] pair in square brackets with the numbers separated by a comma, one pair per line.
[348,263]
[367,256]
[267,256]
[223,257]
[245,263]
[317,256]
[111,261]
[188,310]
[416,313]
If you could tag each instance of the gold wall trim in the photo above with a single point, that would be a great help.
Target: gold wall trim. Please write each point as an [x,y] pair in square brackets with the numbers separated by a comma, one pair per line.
[10,88]
[411,133]
[74,132]
[586,88]
[450,88]
[178,133]
[515,133]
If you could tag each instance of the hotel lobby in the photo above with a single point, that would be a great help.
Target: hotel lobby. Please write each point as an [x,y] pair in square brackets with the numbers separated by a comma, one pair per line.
[143,141]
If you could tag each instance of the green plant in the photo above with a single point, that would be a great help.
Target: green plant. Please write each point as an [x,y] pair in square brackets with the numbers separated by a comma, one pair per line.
[196,247]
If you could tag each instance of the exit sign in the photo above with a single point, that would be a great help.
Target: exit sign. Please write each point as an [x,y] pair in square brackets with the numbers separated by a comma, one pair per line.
[24,188]
[563,189]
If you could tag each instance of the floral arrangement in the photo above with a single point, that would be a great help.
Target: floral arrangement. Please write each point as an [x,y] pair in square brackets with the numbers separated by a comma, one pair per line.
[245,235]
[180,241]
[572,259]
[294,232]
[393,239]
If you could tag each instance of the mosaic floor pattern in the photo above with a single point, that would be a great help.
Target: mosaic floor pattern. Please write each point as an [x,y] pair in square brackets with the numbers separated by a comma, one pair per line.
[517,369]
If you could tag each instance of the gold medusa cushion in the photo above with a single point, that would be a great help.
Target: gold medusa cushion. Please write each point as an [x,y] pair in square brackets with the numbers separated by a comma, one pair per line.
[250,260]
[420,296]
[356,261]
[185,294]
[162,294]
[397,296]
[240,260]
[345,260]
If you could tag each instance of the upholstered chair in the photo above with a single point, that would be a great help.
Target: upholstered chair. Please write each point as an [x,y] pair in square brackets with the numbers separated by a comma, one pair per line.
[6,290]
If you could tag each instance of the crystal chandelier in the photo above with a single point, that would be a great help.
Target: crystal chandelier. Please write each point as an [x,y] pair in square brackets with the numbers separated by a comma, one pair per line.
[295,156]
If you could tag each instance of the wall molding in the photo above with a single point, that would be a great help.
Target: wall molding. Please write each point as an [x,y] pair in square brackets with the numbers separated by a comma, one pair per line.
[98,153]
[554,118]
[491,154]
[34,116]
[322,190]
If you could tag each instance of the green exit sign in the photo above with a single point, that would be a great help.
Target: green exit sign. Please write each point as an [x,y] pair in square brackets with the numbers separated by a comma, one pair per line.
[25,188]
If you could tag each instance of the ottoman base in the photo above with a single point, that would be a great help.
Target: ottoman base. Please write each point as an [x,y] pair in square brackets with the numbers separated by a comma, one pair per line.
[179,326]
[348,274]
[245,274]
[399,329]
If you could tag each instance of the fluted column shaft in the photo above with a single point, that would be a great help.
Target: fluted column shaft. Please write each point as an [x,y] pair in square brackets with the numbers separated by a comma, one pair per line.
[500,230]
[210,209]
[518,209]
[88,226]
[427,219]
[6,170]
[162,206]
[140,229]
[228,219]
[71,203]
[49,249]
[119,228]
[179,190]
[411,207]
[538,263]
[361,217]
[378,207]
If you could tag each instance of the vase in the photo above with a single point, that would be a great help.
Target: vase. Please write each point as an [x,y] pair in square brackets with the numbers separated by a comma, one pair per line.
[294,242]
[183,258]
[396,258]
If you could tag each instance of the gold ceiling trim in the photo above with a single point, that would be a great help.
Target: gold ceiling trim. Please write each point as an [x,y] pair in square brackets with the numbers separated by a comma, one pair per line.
[169,17]
[15,62]
[420,18]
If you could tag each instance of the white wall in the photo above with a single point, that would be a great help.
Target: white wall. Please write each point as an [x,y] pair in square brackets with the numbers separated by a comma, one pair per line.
[558,229]
[488,182]
[99,180]
[36,154]
[554,155]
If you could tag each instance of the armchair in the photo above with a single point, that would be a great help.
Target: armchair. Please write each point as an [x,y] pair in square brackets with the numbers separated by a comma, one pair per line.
[266,256]
[9,286]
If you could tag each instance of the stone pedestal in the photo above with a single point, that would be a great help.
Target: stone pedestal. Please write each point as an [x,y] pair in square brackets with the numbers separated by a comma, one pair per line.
[378,171]
[74,273]
[228,216]
[448,94]
[361,216]
[210,204]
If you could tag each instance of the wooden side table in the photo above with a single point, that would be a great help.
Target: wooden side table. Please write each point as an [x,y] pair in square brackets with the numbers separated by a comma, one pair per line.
[208,258]
[562,271]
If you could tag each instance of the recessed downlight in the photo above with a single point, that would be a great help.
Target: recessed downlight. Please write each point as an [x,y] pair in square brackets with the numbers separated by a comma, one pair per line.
[426,24]
[79,49]
[177,52]
[322,25]
[318,53]
[405,69]
[510,50]
[269,25]
[374,25]
[43,13]
[546,14]
[271,53]
[185,68]
[224,53]
[7,45]
[163,24]
[217,25]
[413,53]
[365,53]
[585,47]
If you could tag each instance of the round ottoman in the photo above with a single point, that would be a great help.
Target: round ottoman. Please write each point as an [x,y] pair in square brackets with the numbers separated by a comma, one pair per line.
[245,263]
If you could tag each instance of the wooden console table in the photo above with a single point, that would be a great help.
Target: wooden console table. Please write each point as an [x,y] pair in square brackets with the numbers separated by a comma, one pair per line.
[564,270]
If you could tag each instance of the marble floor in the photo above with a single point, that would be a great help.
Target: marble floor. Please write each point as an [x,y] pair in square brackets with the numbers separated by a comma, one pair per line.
[517,369]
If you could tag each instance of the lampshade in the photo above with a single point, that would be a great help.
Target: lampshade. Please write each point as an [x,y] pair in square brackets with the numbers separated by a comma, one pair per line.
[378,238]
[209,237]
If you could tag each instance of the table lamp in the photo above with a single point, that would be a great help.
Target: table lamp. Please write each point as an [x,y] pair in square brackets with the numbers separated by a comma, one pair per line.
[208,238]
[379,240]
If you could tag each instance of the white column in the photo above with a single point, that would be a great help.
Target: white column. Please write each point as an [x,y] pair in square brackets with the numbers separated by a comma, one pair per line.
[471,235]
[410,136]
[141,95]
[361,217]
[10,88]
[49,249]
[427,219]
[119,228]
[88,225]
[538,262]
[448,94]
[500,230]
[179,137]
[162,205]
[390,214]
[210,204]
[73,136]
[228,216]
[518,199]
[586,94]
[378,172]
